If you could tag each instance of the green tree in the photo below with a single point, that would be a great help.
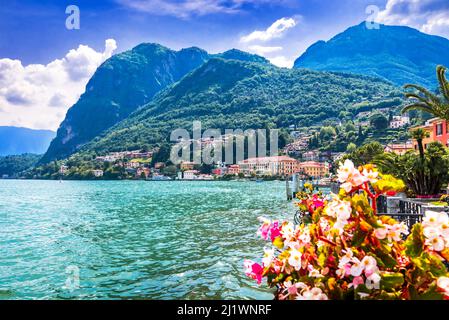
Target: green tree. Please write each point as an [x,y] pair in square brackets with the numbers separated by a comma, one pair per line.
[419,135]
[366,153]
[424,100]
[424,176]
[351,147]
[379,121]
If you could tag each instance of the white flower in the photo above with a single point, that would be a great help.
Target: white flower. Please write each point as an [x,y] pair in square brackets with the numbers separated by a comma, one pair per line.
[435,219]
[436,230]
[295,259]
[357,267]
[443,284]
[312,294]
[371,175]
[369,261]
[350,176]
[395,231]
[437,243]
[314,273]
[304,237]
[346,258]
[345,171]
[381,233]
[267,257]
[373,281]
[392,232]
[287,230]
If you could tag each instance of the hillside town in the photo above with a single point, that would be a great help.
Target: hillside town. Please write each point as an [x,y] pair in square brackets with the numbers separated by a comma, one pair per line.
[296,158]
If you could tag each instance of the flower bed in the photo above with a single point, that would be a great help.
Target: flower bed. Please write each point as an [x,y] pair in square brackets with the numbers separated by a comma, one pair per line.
[343,250]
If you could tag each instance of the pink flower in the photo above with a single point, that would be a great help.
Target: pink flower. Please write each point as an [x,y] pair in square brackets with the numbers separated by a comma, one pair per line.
[357,281]
[317,202]
[264,228]
[275,231]
[253,270]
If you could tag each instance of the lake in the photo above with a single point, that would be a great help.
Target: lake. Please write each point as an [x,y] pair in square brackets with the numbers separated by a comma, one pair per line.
[133,239]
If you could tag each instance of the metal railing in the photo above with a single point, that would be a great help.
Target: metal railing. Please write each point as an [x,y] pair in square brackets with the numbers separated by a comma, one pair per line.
[410,211]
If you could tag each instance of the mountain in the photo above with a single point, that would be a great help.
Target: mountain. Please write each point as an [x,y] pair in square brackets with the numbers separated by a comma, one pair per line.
[14,140]
[122,84]
[241,95]
[399,54]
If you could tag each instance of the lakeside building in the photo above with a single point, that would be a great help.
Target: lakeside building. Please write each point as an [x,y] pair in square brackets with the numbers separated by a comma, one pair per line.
[314,169]
[136,154]
[438,132]
[273,166]
[190,174]
[399,148]
[98,173]
[145,171]
[234,169]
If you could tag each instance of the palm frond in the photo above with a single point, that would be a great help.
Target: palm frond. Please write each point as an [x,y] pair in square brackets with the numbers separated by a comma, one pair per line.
[444,84]
[418,106]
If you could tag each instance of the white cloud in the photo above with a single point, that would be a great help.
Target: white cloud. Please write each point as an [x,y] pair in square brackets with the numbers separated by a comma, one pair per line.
[430,16]
[282,61]
[187,8]
[262,50]
[38,96]
[276,30]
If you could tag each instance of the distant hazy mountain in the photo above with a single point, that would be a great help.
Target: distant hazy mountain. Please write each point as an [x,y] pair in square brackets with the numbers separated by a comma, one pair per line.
[398,54]
[122,84]
[235,94]
[14,141]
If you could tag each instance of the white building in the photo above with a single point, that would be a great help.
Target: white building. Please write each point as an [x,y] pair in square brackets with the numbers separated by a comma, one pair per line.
[97,173]
[190,175]
[399,122]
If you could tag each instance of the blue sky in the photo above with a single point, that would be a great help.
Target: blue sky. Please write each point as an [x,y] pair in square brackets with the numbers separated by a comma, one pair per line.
[44,67]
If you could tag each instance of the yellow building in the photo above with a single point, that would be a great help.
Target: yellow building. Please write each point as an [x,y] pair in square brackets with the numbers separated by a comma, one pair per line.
[314,169]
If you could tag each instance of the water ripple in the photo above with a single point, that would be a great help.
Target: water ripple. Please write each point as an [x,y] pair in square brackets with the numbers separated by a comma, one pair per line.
[133,240]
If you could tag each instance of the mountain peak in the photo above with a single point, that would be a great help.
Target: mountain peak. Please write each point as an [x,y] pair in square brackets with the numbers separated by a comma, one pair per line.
[396,53]
[236,54]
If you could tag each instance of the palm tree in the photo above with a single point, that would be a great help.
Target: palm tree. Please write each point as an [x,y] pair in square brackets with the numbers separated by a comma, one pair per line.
[425,100]
[419,135]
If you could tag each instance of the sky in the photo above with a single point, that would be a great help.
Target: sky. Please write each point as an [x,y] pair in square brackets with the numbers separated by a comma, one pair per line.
[46,60]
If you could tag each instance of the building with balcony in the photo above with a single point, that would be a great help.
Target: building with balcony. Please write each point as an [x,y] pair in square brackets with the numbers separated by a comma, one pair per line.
[270,166]
[438,132]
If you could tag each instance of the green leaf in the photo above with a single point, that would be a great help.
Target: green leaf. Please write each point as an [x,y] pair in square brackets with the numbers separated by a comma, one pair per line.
[359,237]
[390,281]
[430,294]
[415,242]
[386,258]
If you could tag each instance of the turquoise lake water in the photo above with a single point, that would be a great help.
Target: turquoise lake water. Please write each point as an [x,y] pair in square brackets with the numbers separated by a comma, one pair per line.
[133,239]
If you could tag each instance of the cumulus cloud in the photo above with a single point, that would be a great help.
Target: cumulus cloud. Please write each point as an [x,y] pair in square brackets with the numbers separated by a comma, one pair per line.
[430,16]
[188,8]
[262,50]
[282,61]
[276,30]
[38,96]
